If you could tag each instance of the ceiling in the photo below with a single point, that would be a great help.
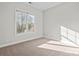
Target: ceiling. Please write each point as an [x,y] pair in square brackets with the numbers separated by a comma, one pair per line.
[44,5]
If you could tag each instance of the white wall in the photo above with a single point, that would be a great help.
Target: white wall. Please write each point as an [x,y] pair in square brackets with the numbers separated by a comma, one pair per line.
[7,23]
[66,15]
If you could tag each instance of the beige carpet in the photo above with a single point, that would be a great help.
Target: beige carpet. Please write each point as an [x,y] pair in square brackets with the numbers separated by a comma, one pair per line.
[39,47]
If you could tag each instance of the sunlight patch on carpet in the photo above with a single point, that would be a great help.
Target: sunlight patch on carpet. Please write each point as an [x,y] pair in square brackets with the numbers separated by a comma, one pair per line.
[60,48]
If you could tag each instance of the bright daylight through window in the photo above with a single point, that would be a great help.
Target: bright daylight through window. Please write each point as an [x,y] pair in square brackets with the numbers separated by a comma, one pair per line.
[24,22]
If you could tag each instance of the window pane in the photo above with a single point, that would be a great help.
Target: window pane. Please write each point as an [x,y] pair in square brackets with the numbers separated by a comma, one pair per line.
[30,22]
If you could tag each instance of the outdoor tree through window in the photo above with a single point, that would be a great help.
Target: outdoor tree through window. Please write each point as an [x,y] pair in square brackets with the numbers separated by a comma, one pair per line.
[24,22]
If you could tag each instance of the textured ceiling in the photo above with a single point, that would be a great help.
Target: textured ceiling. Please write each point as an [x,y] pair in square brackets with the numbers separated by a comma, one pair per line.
[44,5]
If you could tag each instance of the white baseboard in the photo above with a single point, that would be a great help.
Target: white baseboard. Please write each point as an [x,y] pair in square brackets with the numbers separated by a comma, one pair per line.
[13,43]
[52,38]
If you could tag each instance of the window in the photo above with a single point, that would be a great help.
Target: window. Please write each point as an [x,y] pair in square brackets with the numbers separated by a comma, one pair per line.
[24,22]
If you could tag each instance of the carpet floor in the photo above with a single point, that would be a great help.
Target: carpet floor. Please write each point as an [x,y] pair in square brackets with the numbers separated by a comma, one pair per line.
[39,47]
